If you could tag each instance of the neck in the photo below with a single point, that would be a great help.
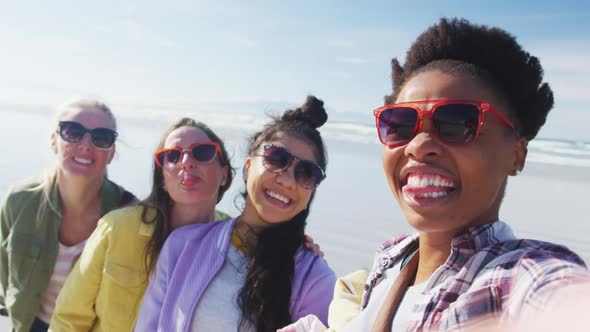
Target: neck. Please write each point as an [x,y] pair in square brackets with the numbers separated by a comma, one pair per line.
[434,251]
[77,195]
[187,214]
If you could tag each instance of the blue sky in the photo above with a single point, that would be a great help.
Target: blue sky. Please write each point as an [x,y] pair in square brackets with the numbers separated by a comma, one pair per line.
[264,52]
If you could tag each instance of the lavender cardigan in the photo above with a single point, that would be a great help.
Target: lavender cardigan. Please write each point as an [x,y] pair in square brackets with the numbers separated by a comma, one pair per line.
[190,259]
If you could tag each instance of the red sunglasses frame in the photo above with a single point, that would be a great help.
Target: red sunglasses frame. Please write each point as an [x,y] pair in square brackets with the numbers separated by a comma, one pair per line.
[481,106]
[189,150]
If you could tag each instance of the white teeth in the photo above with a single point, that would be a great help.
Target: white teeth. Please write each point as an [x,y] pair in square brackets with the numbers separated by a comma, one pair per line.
[83,161]
[278,197]
[421,181]
[430,194]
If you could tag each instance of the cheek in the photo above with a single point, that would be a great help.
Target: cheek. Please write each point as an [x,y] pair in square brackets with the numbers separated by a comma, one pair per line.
[390,159]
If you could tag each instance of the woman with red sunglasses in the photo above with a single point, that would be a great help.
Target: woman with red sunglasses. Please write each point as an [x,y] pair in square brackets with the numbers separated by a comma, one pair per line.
[192,171]
[45,221]
[251,273]
[464,106]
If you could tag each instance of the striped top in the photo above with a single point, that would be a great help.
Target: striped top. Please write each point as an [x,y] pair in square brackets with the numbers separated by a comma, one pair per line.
[66,258]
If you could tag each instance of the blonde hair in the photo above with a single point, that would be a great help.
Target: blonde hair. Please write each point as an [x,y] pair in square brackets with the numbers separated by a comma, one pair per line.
[49,179]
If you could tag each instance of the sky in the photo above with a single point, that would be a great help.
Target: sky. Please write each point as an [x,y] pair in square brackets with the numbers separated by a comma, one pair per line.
[232,53]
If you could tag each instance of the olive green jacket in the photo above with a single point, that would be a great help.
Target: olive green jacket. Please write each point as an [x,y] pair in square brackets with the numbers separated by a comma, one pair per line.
[29,245]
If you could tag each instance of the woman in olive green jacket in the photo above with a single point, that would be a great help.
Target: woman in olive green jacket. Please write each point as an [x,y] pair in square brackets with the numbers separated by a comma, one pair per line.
[47,220]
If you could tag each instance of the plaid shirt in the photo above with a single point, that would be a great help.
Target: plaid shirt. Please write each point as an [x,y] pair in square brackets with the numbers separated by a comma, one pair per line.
[489,275]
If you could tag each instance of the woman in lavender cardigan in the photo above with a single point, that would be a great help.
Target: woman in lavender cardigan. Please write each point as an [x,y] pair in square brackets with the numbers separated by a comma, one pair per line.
[251,273]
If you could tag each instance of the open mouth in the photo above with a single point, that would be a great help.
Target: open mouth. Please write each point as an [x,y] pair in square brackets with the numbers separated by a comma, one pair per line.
[277,198]
[428,186]
[83,161]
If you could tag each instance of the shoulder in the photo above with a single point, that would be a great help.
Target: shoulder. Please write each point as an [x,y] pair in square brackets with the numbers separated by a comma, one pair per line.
[311,265]
[124,218]
[212,234]
[534,253]
[26,188]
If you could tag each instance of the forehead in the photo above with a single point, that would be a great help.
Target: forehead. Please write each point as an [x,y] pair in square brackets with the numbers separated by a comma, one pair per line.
[436,84]
[298,147]
[88,117]
[186,136]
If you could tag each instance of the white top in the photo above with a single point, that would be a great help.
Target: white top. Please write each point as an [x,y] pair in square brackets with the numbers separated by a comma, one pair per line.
[218,309]
[66,258]
[365,319]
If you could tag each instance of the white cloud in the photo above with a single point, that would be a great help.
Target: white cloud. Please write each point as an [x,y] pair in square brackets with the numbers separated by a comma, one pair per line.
[137,32]
[341,43]
[352,60]
[567,68]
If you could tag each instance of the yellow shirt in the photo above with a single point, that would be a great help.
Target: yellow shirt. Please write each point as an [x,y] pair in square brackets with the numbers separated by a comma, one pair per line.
[104,289]
[346,304]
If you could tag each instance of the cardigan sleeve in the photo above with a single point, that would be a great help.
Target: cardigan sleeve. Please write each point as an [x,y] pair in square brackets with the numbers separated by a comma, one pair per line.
[151,305]
[5,225]
[74,308]
[317,292]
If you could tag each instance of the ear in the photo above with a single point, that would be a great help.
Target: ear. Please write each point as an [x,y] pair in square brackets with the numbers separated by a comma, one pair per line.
[53,142]
[520,153]
[224,174]
[246,168]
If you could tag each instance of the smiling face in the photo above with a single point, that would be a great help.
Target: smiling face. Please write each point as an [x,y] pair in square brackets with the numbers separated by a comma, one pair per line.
[83,159]
[188,181]
[446,188]
[276,197]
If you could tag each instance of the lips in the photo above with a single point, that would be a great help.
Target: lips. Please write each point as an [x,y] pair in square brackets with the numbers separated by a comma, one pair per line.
[425,189]
[190,180]
[83,160]
[277,199]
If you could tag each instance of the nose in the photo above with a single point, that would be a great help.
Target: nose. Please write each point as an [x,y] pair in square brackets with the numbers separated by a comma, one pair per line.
[287,177]
[187,161]
[425,144]
[85,142]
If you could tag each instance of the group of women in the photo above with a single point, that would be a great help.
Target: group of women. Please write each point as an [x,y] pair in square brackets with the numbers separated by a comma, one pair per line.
[79,253]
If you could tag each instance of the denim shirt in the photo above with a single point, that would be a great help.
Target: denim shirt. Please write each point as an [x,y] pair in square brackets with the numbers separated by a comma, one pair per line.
[29,245]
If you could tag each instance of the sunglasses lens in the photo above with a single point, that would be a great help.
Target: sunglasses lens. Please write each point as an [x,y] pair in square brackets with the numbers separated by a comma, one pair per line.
[308,174]
[103,138]
[397,125]
[276,159]
[204,153]
[456,123]
[170,156]
[71,132]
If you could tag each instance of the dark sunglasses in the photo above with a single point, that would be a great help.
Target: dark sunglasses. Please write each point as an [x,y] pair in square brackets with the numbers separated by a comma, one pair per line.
[73,132]
[277,159]
[454,121]
[202,152]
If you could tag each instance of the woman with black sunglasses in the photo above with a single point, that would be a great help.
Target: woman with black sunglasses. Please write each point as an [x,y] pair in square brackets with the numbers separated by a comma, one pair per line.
[250,273]
[464,106]
[191,173]
[45,221]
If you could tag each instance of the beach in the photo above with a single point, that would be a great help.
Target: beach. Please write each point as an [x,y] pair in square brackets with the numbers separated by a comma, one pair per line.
[353,211]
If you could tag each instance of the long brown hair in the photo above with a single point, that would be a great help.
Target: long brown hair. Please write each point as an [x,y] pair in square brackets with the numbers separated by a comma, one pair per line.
[160,201]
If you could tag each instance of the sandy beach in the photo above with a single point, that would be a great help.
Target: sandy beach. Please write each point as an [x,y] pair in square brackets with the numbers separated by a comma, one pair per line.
[354,210]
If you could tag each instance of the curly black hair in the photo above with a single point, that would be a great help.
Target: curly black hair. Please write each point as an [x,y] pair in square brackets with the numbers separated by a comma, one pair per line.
[265,296]
[490,54]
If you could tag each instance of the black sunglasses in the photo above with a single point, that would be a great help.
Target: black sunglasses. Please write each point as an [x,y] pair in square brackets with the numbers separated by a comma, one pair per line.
[277,159]
[73,132]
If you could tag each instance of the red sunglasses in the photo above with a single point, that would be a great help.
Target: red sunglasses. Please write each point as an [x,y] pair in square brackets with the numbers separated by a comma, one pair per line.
[202,152]
[455,121]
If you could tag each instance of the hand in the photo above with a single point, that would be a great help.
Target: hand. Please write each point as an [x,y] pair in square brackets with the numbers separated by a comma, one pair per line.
[309,323]
[312,246]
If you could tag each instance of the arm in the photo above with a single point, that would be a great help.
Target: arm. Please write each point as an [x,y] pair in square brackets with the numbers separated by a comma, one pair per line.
[151,305]
[316,297]
[348,294]
[74,308]
[5,226]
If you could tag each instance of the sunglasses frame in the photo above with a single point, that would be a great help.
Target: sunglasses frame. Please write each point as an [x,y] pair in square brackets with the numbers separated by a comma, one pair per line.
[292,158]
[86,131]
[482,107]
[190,150]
